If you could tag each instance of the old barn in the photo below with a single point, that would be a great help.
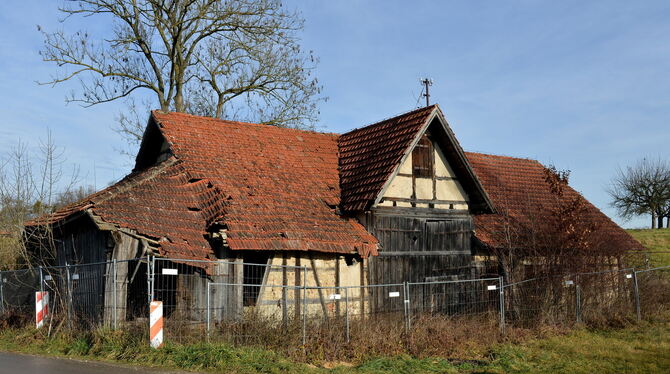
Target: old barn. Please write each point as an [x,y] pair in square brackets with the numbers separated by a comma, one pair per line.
[395,201]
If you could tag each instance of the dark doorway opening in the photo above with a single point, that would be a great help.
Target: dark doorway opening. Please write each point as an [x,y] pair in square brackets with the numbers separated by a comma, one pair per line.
[255,269]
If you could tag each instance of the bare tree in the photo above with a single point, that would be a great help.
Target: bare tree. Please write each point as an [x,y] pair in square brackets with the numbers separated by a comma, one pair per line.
[665,213]
[73,195]
[643,189]
[32,183]
[236,59]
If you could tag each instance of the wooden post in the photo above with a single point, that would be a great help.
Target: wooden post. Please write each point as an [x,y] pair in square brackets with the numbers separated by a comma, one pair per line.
[318,285]
[284,291]
[337,284]
[636,291]
[578,303]
[298,282]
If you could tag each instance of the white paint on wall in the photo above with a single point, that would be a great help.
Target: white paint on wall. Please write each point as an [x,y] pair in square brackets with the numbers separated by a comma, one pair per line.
[400,187]
[406,167]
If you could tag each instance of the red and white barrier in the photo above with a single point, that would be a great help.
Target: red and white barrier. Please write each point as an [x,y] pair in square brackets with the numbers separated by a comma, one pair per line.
[41,308]
[156,324]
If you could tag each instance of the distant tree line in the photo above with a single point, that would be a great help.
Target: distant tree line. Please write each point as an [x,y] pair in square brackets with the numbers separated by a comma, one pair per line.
[643,189]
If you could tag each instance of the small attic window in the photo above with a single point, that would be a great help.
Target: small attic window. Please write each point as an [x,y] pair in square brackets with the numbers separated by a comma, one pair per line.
[422,158]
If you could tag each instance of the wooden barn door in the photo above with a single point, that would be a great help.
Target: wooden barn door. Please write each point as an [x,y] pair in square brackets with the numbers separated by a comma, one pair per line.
[416,249]
[448,235]
[419,249]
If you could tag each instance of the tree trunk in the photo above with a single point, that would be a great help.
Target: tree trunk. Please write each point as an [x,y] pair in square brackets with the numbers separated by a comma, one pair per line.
[165,105]
[667,222]
[660,221]
[179,100]
[653,220]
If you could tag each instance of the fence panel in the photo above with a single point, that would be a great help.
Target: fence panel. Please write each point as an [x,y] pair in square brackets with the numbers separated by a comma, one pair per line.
[17,291]
[55,282]
[192,291]
[454,298]
[275,319]
[279,306]
[605,296]
[544,300]
[653,290]
[375,309]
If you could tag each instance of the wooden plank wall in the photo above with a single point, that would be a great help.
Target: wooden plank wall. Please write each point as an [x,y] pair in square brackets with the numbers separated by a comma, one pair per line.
[419,248]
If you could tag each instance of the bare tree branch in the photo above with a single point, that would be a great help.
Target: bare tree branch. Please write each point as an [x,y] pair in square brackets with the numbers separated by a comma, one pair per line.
[642,189]
[235,59]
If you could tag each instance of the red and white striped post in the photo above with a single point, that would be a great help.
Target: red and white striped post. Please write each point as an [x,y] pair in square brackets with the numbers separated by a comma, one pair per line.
[41,308]
[156,324]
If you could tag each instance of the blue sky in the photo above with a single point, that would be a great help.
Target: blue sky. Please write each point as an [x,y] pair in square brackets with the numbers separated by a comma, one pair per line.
[581,85]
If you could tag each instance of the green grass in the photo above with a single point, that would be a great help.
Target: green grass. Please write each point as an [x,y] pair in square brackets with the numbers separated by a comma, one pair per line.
[644,348]
[658,243]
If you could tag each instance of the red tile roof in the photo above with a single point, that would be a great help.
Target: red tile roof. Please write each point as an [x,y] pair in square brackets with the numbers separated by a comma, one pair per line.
[162,202]
[369,155]
[281,186]
[520,191]
[279,189]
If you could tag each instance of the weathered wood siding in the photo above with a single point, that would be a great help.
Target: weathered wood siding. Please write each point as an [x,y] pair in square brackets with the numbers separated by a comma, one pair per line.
[81,242]
[417,247]
[97,291]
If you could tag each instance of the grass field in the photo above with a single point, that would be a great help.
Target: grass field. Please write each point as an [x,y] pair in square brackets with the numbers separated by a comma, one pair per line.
[644,348]
[658,243]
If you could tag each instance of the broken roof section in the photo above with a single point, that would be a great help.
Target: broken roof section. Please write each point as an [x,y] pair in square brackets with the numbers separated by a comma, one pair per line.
[161,203]
[281,186]
[370,156]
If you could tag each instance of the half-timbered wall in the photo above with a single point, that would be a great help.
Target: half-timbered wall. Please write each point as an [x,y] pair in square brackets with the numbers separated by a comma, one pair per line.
[422,221]
[425,180]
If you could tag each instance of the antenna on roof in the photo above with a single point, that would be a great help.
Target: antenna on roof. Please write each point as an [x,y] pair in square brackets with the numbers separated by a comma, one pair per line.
[427,82]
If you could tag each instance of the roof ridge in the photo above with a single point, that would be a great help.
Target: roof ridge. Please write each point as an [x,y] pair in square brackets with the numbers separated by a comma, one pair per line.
[230,122]
[504,156]
[402,114]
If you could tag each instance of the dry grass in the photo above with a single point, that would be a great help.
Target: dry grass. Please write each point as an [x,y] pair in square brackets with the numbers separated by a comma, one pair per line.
[462,338]
[447,345]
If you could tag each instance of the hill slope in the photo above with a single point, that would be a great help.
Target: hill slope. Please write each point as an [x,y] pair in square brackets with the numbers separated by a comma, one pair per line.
[658,243]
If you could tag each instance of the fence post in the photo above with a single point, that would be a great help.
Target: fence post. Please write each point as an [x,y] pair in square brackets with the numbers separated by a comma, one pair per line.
[41,280]
[68,295]
[346,311]
[408,310]
[150,288]
[304,305]
[2,294]
[636,291]
[284,302]
[115,295]
[208,313]
[501,283]
[578,303]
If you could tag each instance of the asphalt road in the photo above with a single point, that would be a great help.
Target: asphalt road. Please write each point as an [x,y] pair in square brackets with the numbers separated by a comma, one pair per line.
[11,363]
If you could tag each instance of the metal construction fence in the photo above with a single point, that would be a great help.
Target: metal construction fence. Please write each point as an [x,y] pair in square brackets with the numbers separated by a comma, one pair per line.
[254,303]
